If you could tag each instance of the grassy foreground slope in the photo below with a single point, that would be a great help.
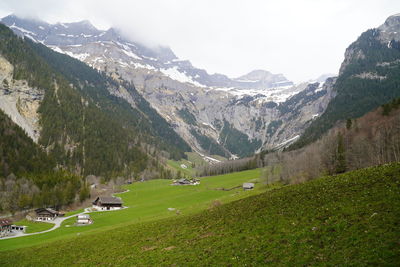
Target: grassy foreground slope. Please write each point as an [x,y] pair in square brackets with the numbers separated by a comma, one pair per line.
[349,219]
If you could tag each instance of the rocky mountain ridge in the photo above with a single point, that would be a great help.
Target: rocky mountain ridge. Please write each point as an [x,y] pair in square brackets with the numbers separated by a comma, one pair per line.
[210,112]
[369,77]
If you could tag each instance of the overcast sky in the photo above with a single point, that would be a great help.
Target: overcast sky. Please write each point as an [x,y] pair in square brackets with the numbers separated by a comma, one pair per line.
[299,38]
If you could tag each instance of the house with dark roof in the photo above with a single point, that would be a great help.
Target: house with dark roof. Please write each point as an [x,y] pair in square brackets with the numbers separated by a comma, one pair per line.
[107,203]
[47,214]
[5,227]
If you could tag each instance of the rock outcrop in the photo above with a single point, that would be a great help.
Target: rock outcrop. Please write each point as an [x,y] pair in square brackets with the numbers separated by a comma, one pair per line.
[19,101]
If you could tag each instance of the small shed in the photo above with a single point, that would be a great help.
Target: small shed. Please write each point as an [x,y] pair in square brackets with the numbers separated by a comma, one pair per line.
[84,219]
[185,181]
[107,203]
[47,214]
[248,186]
[5,227]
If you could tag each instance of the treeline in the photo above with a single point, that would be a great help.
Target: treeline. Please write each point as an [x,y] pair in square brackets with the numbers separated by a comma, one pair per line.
[231,166]
[51,189]
[368,141]
[393,105]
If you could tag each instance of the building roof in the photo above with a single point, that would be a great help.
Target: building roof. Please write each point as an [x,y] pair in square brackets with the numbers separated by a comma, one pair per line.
[248,185]
[47,210]
[5,222]
[108,200]
[83,216]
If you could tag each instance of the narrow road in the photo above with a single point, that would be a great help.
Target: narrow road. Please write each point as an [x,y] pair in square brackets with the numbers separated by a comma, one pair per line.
[58,221]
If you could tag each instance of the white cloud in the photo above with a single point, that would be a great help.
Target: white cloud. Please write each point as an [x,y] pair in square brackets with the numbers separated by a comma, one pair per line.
[301,39]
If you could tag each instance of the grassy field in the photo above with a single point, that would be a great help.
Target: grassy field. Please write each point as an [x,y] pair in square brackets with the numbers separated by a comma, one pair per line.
[350,219]
[70,213]
[176,166]
[194,159]
[33,227]
[149,201]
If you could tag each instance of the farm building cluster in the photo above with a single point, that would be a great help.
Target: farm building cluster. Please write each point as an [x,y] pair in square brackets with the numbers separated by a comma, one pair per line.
[7,229]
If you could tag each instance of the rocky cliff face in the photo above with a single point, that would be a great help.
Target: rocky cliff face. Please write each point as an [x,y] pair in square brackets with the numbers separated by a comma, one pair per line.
[387,33]
[19,101]
[210,112]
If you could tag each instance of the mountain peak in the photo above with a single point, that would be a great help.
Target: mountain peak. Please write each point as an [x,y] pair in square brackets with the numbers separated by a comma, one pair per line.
[256,75]
[264,78]
[391,22]
[84,24]
[391,28]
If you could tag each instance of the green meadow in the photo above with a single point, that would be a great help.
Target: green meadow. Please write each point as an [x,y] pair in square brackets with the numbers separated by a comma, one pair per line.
[33,227]
[345,220]
[147,201]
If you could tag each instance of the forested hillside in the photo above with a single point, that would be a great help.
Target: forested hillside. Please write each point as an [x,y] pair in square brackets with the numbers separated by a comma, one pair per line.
[84,127]
[27,175]
[366,82]
[18,153]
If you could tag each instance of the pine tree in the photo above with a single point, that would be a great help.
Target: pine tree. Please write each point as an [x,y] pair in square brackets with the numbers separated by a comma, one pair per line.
[340,155]
[348,124]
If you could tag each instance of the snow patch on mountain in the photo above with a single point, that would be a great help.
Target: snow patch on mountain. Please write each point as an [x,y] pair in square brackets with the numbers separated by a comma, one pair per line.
[175,74]
[22,30]
[277,94]
[132,55]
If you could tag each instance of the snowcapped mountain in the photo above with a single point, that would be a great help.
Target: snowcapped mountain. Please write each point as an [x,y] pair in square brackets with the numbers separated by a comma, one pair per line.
[262,79]
[210,112]
[69,38]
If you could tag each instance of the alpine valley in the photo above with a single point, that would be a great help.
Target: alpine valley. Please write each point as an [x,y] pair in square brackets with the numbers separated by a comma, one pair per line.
[115,153]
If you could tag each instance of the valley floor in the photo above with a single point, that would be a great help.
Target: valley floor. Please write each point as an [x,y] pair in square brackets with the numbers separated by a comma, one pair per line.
[348,219]
[147,201]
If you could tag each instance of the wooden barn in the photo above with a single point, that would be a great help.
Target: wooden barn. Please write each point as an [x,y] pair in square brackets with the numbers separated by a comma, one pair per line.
[47,214]
[107,203]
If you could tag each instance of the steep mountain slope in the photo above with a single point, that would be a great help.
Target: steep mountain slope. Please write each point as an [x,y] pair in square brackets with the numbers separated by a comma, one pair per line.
[29,177]
[369,77]
[208,111]
[81,124]
[18,153]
